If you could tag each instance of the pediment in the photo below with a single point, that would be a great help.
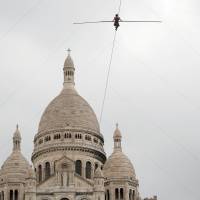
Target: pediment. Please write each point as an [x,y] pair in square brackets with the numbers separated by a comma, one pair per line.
[65,164]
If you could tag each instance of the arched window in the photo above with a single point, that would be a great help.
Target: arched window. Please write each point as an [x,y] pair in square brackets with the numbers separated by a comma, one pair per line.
[47,138]
[62,181]
[130,195]
[78,136]
[133,194]
[79,167]
[11,195]
[40,173]
[88,170]
[47,170]
[40,141]
[95,140]
[16,194]
[96,166]
[2,195]
[116,193]
[108,195]
[121,193]
[57,136]
[68,135]
[87,137]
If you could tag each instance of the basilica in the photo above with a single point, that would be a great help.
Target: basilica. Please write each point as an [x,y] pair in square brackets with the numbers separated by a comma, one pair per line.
[69,161]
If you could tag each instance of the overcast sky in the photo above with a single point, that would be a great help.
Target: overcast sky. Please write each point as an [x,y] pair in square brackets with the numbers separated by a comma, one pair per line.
[153,90]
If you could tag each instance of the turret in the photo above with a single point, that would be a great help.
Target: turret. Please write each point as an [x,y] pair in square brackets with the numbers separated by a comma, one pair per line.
[117,137]
[119,173]
[69,72]
[16,172]
[17,140]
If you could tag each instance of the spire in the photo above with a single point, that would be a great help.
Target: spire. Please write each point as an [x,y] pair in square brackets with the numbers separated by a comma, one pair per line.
[117,139]
[68,71]
[17,139]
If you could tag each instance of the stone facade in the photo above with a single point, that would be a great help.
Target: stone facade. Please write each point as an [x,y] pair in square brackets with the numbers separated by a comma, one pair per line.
[69,161]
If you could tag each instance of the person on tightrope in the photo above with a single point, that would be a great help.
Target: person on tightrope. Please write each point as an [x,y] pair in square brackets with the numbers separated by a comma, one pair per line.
[116,21]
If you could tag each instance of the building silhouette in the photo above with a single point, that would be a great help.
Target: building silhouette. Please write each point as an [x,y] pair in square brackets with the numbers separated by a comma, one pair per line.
[68,157]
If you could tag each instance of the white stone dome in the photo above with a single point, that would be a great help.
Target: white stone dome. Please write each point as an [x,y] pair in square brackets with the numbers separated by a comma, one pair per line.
[68,124]
[16,163]
[68,109]
[16,168]
[119,166]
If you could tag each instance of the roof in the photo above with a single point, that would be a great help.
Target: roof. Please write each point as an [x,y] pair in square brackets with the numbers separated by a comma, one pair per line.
[68,109]
[118,165]
[16,168]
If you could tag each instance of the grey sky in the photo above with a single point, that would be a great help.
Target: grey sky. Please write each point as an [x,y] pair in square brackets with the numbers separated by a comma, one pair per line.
[153,88]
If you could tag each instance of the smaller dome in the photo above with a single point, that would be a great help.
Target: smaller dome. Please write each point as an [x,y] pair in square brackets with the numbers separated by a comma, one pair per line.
[16,167]
[98,173]
[118,166]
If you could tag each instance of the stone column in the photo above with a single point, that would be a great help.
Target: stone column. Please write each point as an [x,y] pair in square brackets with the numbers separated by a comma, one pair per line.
[112,192]
[57,178]
[92,171]
[43,172]
[65,179]
[21,192]
[13,192]
[83,168]
[52,168]
[5,192]
[126,192]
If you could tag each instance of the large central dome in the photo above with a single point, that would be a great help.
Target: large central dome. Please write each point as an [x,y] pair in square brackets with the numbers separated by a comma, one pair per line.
[68,124]
[68,109]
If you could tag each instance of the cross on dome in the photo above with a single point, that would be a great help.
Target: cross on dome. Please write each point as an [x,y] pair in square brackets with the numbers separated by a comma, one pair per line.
[69,51]
[117,125]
